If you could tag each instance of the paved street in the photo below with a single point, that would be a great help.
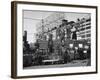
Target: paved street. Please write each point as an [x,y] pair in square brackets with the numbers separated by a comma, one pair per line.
[74,63]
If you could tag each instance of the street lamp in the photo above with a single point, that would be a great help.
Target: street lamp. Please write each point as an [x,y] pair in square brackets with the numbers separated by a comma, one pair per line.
[86,47]
[71,45]
[80,45]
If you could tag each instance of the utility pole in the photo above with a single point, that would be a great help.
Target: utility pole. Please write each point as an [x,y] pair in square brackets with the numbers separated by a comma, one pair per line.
[42,29]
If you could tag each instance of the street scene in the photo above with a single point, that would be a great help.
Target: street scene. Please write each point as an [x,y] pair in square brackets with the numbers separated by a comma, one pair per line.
[56,39]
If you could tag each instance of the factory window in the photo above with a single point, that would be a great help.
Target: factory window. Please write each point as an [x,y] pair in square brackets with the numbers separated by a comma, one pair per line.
[88,31]
[82,33]
[83,36]
[88,24]
[88,27]
[83,25]
[88,20]
[82,29]
[88,35]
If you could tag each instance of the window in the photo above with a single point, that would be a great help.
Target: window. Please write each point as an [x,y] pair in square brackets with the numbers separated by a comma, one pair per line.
[88,35]
[88,27]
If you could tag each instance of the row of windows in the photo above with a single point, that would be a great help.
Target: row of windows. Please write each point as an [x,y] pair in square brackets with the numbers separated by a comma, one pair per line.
[88,20]
[88,27]
[85,24]
[88,35]
[82,29]
[83,32]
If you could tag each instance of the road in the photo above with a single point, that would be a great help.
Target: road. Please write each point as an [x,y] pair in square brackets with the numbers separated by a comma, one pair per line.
[74,63]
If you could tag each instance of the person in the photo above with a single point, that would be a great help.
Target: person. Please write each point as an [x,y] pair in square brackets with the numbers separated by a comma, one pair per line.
[74,35]
[50,43]
[57,33]
[89,56]
[81,54]
[40,58]
[66,56]
[68,31]
[89,52]
[62,36]
[36,45]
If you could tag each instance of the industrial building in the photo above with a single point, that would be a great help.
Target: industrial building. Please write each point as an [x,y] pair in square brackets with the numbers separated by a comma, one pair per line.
[84,31]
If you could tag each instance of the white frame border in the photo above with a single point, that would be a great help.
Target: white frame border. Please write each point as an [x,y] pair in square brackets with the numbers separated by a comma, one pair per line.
[50,71]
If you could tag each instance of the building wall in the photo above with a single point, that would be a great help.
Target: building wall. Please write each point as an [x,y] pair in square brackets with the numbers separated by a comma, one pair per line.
[84,31]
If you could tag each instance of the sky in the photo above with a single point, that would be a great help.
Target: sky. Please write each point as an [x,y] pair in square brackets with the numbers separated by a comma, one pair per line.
[31,18]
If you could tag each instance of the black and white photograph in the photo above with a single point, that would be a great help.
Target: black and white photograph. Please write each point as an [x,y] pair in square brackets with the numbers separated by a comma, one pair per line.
[53,39]
[56,39]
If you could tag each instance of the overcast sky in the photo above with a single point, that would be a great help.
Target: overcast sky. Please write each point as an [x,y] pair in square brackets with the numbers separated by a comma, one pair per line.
[32,18]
